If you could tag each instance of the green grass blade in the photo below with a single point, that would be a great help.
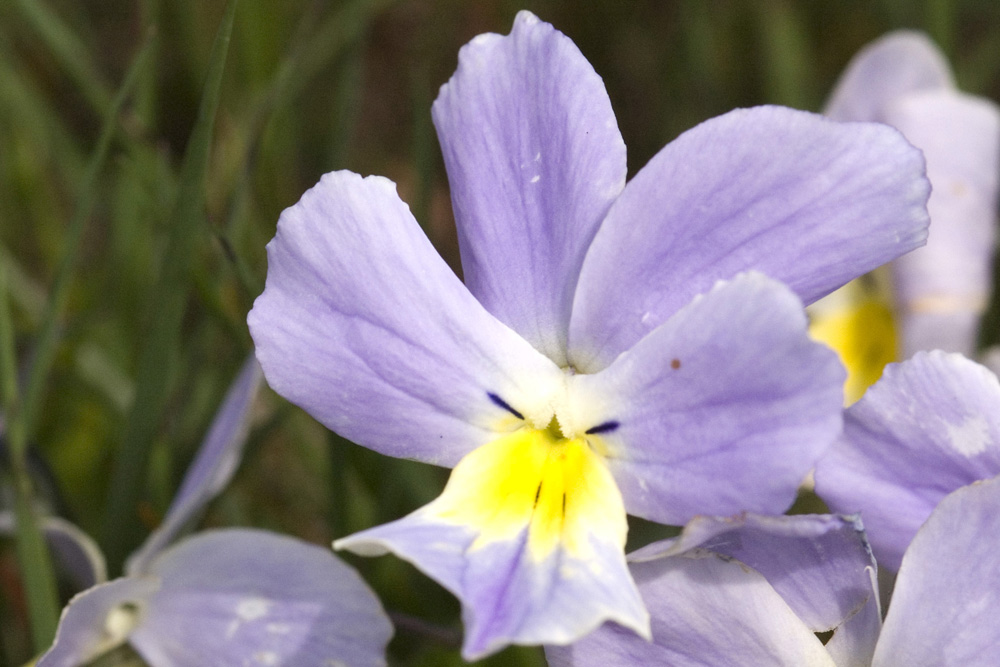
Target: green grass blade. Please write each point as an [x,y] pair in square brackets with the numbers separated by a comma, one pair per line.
[45,346]
[340,30]
[787,56]
[315,49]
[69,52]
[29,117]
[32,553]
[121,531]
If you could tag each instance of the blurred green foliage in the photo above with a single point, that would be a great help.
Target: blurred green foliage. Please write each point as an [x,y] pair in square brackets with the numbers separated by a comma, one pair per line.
[309,86]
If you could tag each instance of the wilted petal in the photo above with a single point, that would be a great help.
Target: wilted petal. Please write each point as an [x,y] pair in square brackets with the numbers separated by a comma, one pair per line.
[529,535]
[899,63]
[365,326]
[947,596]
[928,427]
[853,644]
[706,610]
[808,201]
[946,283]
[99,620]
[213,467]
[534,159]
[724,407]
[248,597]
[819,564]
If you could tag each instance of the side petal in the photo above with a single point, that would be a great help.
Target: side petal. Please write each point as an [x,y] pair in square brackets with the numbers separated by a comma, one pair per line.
[706,610]
[808,201]
[928,427]
[529,534]
[897,64]
[212,468]
[74,552]
[819,564]
[534,159]
[362,320]
[947,596]
[724,407]
[98,620]
[951,277]
[249,597]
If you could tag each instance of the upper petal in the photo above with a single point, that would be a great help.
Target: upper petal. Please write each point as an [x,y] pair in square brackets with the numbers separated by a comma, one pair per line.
[249,597]
[943,287]
[928,427]
[724,407]
[364,325]
[534,159]
[705,611]
[947,596]
[897,64]
[808,201]
[212,468]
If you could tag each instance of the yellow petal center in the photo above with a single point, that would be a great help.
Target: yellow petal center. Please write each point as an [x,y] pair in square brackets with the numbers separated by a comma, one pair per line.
[557,487]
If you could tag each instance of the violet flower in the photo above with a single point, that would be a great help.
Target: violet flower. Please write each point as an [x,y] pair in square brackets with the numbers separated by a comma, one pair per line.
[607,352]
[226,597]
[939,292]
[928,427]
[754,591]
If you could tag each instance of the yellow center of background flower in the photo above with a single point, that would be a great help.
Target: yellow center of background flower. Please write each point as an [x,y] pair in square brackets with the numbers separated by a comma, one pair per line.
[863,333]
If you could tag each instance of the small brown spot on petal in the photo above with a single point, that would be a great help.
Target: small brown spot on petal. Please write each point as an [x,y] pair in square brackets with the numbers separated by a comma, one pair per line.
[675,364]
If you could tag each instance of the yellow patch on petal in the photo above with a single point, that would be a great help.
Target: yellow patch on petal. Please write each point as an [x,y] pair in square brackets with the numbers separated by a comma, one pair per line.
[558,487]
[863,332]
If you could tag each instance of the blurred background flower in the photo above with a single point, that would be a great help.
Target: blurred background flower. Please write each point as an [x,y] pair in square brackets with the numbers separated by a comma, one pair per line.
[934,297]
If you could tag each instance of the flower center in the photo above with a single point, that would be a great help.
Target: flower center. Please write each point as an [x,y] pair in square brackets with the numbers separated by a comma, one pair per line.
[554,430]
[556,490]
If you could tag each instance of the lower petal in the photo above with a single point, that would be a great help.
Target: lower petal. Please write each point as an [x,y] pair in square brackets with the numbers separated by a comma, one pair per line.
[707,610]
[249,597]
[529,535]
[820,565]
